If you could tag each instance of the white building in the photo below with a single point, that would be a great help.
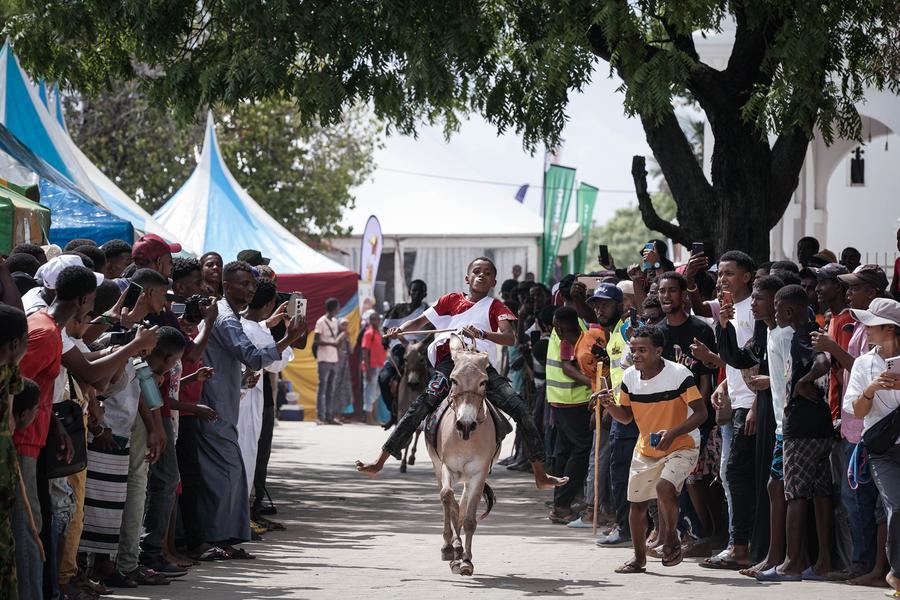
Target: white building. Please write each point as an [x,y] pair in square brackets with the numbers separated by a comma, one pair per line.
[436,238]
[826,205]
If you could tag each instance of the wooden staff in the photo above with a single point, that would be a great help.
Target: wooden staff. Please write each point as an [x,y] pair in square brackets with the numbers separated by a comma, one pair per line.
[601,385]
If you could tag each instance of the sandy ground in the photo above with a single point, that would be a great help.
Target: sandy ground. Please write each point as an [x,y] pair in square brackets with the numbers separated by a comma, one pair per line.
[351,537]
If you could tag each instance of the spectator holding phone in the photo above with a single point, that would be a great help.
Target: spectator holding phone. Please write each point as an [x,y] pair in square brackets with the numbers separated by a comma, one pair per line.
[662,398]
[873,394]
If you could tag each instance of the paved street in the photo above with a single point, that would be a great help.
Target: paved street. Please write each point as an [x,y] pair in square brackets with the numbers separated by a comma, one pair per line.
[349,537]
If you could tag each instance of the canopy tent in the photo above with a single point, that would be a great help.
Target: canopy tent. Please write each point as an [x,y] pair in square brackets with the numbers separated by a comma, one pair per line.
[21,220]
[436,238]
[28,116]
[212,212]
[73,214]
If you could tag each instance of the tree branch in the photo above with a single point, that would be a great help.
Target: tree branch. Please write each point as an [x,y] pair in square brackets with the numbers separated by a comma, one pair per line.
[749,51]
[651,218]
[788,154]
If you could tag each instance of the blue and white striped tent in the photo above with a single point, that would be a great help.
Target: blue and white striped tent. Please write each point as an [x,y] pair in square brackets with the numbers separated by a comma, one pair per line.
[212,212]
[28,116]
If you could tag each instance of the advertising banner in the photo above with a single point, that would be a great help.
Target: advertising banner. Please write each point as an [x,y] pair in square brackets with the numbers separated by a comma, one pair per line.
[558,183]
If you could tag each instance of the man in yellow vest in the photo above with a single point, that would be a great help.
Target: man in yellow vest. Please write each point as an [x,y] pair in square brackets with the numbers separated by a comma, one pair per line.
[568,394]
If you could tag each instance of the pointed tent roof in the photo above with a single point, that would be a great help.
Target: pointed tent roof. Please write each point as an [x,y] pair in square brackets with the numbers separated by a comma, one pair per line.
[24,110]
[212,212]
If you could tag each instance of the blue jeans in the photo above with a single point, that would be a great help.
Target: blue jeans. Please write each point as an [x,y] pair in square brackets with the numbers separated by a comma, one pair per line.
[886,474]
[621,450]
[860,505]
[727,434]
[325,394]
[29,566]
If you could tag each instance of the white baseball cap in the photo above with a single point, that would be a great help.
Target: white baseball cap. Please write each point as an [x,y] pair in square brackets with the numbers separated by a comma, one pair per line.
[49,272]
[882,311]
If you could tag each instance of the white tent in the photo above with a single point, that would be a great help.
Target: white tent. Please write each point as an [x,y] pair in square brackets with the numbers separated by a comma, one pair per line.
[436,238]
[212,211]
[26,111]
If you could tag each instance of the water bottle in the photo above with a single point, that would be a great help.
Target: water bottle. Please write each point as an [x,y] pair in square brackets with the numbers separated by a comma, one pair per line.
[148,385]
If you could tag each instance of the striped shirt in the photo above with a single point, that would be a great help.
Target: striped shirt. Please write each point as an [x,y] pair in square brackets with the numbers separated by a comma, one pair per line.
[661,403]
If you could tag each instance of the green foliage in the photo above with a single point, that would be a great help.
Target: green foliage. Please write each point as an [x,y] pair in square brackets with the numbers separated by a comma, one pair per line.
[515,62]
[302,174]
[625,233]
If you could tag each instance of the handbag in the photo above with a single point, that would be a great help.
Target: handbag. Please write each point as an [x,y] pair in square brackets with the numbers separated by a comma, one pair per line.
[881,437]
[71,415]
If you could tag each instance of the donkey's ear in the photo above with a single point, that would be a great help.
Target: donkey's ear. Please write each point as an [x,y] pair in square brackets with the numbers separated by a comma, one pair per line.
[483,361]
[456,346]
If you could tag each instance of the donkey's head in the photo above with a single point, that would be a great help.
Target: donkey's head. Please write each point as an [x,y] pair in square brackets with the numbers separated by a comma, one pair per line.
[468,388]
[415,369]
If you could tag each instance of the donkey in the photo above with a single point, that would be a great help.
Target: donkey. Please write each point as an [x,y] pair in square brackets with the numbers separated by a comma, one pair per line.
[412,382]
[466,449]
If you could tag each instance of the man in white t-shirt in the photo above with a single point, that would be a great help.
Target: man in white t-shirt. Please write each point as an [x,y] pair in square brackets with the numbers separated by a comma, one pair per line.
[326,349]
[735,276]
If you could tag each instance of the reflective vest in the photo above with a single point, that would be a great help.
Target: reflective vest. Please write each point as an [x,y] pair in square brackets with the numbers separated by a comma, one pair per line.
[619,357]
[562,389]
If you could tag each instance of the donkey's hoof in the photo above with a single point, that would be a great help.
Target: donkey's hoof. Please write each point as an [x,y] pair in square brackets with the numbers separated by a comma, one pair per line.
[447,554]
[466,568]
[455,567]
[412,460]
[403,467]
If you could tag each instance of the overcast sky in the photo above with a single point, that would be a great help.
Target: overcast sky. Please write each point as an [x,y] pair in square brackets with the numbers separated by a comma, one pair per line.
[599,143]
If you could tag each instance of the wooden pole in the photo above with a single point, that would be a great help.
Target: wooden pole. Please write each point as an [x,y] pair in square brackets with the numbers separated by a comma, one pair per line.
[601,385]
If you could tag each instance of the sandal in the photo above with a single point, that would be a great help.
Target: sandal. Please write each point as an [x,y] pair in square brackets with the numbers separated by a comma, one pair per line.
[726,563]
[270,525]
[561,518]
[673,558]
[631,568]
[212,553]
[238,554]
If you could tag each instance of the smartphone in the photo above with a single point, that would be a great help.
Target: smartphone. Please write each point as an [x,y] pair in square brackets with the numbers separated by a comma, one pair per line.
[294,304]
[645,266]
[697,248]
[589,281]
[632,314]
[603,256]
[654,440]
[178,308]
[893,365]
[727,298]
[132,294]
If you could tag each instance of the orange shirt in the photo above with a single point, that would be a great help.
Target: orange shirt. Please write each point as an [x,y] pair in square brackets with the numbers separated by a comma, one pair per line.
[840,333]
[587,362]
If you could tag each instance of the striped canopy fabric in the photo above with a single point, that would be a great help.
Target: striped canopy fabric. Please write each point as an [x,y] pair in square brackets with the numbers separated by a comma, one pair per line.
[212,212]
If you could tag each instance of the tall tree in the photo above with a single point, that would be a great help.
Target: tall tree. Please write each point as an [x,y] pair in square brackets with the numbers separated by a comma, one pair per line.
[300,173]
[794,66]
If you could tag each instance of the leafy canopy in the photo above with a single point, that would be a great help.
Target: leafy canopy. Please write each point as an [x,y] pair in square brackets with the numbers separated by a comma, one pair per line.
[301,174]
[514,61]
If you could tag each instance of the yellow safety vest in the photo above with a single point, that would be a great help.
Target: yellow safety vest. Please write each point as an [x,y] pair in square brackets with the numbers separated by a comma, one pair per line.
[562,389]
[617,350]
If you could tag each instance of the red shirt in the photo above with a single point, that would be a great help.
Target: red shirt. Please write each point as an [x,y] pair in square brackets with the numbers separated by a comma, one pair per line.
[456,303]
[41,363]
[841,334]
[372,342]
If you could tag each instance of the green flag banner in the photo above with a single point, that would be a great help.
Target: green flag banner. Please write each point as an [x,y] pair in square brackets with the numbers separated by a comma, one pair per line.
[558,184]
[585,198]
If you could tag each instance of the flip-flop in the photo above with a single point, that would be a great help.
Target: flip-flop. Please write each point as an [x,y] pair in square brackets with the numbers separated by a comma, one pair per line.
[213,553]
[630,568]
[724,563]
[772,575]
[810,575]
[239,554]
[675,558]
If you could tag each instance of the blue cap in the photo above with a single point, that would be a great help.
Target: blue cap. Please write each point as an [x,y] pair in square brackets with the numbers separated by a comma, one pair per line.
[607,291]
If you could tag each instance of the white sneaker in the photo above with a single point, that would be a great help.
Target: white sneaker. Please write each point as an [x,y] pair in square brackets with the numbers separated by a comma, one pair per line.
[614,538]
[580,523]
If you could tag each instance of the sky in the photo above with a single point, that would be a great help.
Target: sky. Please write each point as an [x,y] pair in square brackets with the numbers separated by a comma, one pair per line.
[599,143]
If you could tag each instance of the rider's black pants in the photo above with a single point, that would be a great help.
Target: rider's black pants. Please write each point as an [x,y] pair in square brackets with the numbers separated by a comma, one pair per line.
[499,392]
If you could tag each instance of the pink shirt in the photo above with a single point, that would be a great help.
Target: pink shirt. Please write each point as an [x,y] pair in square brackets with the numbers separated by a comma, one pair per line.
[851,427]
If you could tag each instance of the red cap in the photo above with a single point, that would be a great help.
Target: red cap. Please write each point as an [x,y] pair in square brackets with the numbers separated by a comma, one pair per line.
[151,246]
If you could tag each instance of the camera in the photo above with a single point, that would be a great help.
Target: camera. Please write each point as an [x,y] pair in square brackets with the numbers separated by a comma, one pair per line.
[192,305]
[121,337]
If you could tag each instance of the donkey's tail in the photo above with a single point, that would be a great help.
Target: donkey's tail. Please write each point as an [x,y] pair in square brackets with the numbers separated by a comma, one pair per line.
[489,499]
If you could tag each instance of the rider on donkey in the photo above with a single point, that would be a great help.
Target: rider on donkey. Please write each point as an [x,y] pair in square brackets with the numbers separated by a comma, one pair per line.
[489,322]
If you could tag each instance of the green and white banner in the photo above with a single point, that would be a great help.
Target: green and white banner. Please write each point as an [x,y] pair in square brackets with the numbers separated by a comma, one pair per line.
[585,198]
[558,184]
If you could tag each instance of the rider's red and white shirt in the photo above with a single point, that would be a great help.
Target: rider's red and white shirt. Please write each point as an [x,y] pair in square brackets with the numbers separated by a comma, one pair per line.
[456,310]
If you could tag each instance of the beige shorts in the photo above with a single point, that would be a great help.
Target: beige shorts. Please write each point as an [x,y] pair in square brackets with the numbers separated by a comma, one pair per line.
[647,471]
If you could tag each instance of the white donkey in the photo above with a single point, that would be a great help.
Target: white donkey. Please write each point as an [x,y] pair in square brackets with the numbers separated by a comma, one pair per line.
[466,441]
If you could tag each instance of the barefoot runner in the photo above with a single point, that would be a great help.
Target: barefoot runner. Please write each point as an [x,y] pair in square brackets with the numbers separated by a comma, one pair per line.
[489,322]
